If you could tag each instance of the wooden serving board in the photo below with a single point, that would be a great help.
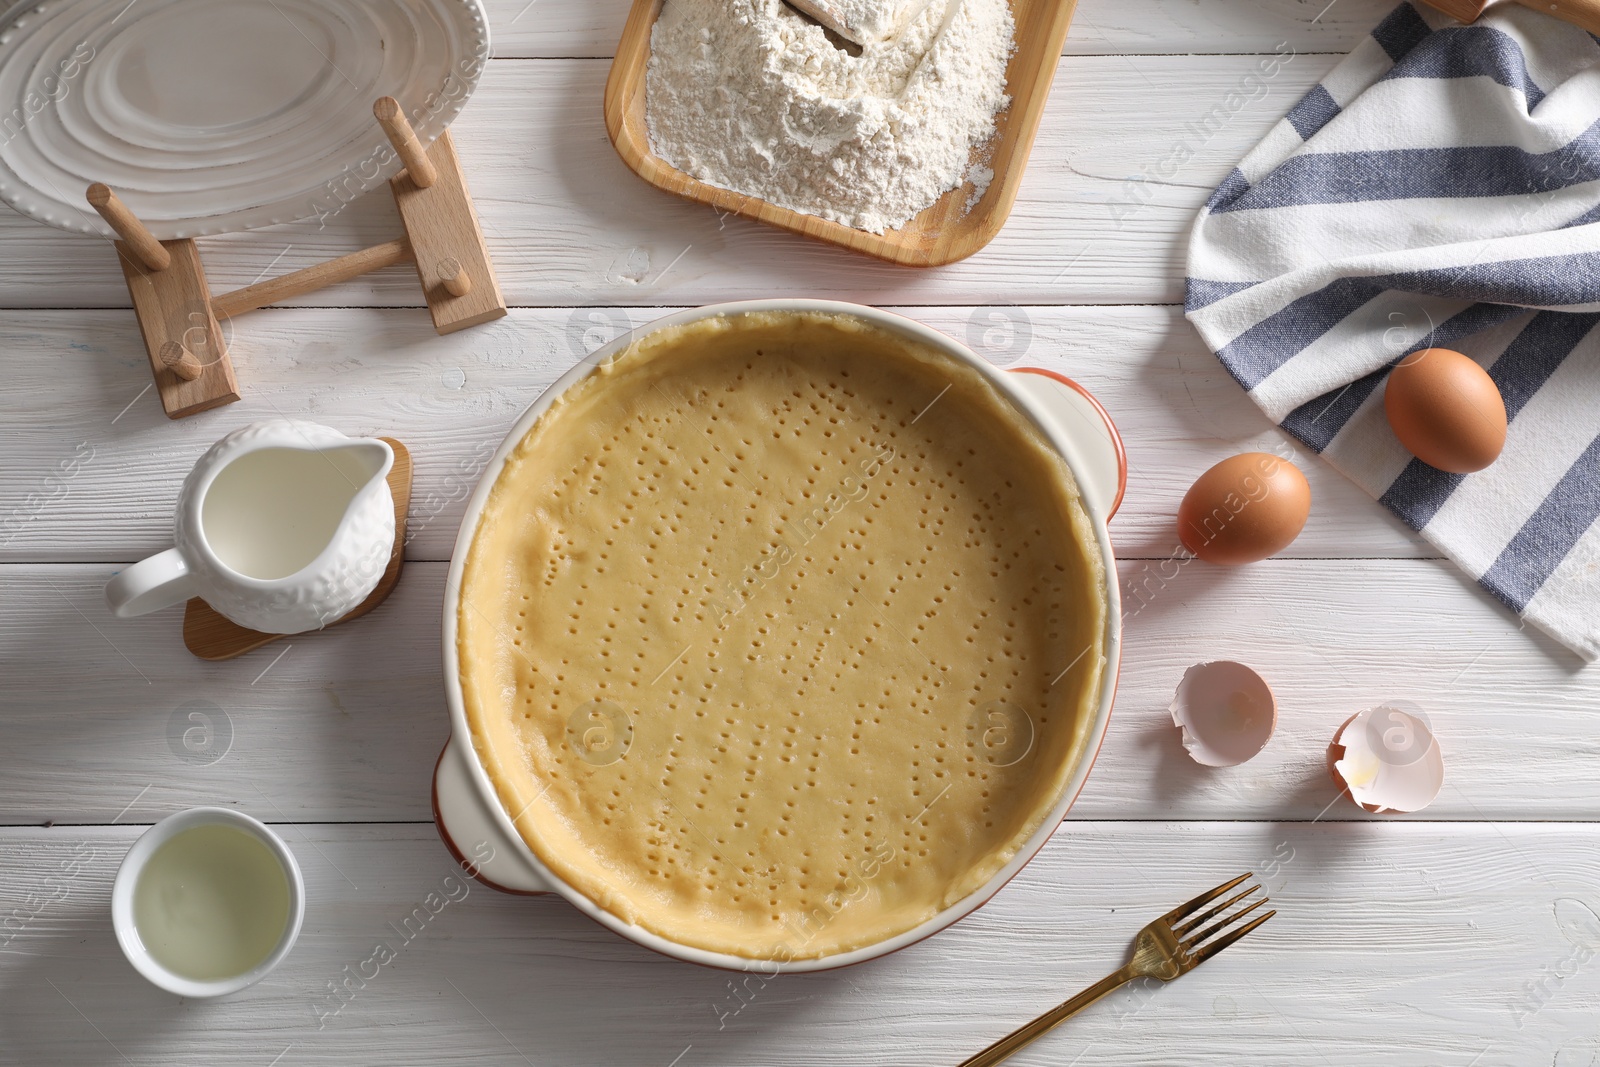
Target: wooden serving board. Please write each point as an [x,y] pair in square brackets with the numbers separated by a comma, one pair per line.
[943,233]
[210,636]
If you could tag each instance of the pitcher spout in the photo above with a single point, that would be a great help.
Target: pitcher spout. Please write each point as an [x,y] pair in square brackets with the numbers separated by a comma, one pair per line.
[372,458]
[366,465]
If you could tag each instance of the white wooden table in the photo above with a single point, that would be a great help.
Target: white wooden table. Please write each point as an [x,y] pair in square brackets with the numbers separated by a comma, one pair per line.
[1466,936]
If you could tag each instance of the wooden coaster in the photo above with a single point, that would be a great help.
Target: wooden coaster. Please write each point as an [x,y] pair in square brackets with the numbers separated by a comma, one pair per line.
[210,636]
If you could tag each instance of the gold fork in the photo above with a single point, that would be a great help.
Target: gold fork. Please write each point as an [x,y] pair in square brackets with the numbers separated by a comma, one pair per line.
[1174,944]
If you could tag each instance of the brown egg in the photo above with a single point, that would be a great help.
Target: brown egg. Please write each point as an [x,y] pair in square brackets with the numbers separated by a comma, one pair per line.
[1244,509]
[1446,410]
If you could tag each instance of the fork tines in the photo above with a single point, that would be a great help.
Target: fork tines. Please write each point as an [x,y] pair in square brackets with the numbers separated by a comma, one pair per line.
[1200,941]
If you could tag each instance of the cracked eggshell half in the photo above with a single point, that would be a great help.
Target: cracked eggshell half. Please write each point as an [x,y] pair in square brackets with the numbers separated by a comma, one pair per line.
[1227,713]
[1387,760]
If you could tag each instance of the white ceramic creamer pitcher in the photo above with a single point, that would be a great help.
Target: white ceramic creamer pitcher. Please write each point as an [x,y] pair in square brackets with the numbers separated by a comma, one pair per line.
[283,527]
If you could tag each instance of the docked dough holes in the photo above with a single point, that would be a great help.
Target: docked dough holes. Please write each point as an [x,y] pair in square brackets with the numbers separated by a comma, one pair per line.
[780,618]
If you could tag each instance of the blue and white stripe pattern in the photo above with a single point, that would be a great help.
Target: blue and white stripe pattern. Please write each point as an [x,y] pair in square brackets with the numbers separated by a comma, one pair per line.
[1440,188]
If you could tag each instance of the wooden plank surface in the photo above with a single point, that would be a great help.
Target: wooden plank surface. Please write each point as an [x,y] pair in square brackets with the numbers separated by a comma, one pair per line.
[346,724]
[1394,945]
[1100,217]
[452,398]
[1465,939]
[591,29]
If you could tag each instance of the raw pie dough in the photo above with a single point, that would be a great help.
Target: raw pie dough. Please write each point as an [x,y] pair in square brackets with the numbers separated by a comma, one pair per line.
[780,633]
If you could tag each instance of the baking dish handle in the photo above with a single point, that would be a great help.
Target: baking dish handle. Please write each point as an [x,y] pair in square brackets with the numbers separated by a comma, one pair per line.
[472,833]
[1085,422]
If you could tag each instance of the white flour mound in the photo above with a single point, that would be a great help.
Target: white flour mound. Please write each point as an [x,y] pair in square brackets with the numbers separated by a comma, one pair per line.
[873,20]
[749,96]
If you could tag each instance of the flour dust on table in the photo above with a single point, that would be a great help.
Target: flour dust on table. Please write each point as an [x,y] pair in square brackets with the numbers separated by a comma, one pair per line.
[749,96]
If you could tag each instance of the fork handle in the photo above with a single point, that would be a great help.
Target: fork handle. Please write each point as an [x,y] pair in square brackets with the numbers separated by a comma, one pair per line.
[1027,1035]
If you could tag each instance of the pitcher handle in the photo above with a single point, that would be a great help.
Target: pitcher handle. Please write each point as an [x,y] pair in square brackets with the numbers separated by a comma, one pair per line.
[150,585]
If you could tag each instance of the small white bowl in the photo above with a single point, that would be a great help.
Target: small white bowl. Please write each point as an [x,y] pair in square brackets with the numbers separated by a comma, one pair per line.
[133,866]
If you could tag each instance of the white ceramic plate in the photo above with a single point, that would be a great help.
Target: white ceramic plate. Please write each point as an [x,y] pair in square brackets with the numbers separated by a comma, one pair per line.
[209,116]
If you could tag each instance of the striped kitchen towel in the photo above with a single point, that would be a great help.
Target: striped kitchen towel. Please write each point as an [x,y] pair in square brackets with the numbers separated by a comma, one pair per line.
[1440,188]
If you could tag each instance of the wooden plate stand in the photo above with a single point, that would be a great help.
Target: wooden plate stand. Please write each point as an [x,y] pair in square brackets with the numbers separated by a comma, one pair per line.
[178,315]
[211,636]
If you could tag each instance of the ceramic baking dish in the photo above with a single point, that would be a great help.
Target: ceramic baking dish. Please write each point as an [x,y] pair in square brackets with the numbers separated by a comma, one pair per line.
[476,828]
